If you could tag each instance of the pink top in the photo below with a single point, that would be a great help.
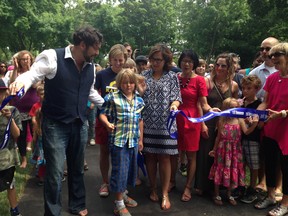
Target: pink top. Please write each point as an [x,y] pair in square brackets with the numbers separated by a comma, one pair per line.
[277,129]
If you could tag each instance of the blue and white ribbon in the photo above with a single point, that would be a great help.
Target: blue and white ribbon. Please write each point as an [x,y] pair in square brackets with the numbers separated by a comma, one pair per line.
[234,112]
[6,136]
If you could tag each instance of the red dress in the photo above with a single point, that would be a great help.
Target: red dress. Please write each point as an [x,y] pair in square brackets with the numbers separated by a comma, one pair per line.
[188,132]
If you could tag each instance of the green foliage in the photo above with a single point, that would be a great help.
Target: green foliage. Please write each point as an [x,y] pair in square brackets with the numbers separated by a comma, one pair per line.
[34,25]
[208,26]
[147,22]
[215,26]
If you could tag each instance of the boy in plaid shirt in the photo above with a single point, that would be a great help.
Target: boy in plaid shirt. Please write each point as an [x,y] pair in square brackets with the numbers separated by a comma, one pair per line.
[121,115]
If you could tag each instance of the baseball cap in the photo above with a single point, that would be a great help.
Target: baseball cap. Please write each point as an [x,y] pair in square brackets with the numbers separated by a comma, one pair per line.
[141,58]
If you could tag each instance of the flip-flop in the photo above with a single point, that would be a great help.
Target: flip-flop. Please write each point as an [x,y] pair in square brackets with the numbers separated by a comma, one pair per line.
[232,201]
[218,200]
[186,197]
[153,196]
[165,200]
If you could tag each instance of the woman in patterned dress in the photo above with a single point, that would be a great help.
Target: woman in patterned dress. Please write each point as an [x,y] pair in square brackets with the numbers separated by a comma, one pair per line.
[162,94]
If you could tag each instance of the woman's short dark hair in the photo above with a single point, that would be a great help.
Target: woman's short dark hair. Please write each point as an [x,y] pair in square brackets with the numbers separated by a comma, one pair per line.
[88,35]
[166,53]
[190,54]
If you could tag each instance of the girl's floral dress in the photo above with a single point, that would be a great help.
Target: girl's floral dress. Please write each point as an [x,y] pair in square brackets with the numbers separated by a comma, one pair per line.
[228,169]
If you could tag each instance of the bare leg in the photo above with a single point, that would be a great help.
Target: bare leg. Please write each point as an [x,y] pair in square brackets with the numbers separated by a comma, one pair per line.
[24,162]
[279,180]
[217,198]
[191,169]
[151,166]
[12,197]
[253,178]
[174,166]
[104,163]
[165,174]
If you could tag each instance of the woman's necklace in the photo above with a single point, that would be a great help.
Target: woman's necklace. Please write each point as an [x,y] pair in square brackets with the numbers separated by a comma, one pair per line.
[187,81]
[220,84]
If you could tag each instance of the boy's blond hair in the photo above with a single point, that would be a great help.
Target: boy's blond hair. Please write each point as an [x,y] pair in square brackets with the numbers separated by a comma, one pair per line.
[130,74]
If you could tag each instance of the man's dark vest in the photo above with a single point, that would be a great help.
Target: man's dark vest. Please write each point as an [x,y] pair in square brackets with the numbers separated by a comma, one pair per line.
[66,95]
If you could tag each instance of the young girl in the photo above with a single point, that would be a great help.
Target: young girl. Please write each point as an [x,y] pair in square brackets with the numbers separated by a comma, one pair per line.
[228,169]
[38,154]
[121,115]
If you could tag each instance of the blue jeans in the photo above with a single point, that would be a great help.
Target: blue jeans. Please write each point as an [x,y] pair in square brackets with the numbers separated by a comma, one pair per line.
[61,139]
[91,115]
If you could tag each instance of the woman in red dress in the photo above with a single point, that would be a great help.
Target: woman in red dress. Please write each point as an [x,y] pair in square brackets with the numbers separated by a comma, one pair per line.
[193,92]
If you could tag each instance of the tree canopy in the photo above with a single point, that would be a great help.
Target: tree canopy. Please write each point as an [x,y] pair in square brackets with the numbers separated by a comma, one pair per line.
[207,26]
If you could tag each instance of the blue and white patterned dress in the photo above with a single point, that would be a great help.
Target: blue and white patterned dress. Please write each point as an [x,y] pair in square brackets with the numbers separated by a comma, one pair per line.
[158,97]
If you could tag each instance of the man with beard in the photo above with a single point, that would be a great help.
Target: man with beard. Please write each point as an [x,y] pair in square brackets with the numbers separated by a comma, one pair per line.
[69,83]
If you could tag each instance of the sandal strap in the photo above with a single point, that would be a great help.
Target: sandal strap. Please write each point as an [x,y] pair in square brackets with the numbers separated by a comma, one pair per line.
[231,198]
[218,198]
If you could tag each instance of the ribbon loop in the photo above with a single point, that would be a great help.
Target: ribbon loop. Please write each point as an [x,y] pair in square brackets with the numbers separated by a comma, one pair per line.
[234,112]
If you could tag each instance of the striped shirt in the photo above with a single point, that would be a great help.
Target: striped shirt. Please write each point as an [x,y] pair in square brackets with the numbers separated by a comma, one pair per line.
[125,116]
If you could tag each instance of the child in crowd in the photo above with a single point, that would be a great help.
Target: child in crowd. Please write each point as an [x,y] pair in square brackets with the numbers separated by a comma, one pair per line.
[201,68]
[38,154]
[105,83]
[228,169]
[130,63]
[8,153]
[37,105]
[121,115]
[251,143]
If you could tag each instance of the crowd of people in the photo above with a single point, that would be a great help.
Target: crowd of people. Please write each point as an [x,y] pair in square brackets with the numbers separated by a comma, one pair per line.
[70,102]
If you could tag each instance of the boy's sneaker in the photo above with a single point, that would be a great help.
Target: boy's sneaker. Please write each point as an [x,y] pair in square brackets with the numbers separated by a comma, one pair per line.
[15,213]
[104,190]
[128,201]
[250,196]
[238,192]
[183,169]
[92,142]
[279,211]
[123,211]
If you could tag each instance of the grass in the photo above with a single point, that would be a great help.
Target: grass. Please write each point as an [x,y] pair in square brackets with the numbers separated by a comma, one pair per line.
[21,177]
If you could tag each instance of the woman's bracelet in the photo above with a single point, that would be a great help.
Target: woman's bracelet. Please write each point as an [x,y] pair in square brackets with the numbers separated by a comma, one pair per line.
[283,113]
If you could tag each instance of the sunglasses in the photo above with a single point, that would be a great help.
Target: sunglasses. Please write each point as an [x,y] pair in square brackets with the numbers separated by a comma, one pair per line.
[265,48]
[221,65]
[3,66]
[277,54]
